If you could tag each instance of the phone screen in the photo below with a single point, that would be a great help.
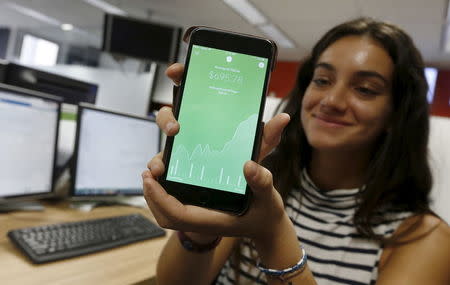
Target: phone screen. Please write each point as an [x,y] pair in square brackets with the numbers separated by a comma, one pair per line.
[218,118]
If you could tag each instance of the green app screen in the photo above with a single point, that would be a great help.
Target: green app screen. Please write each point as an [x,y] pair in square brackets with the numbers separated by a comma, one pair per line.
[218,119]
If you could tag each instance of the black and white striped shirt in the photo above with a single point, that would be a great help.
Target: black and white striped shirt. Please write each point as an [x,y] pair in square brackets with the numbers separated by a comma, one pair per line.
[337,254]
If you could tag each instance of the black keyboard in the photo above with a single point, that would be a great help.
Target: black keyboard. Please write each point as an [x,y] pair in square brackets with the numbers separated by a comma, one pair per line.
[60,241]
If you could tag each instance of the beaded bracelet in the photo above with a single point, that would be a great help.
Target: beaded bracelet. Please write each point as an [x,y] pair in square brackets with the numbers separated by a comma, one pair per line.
[291,271]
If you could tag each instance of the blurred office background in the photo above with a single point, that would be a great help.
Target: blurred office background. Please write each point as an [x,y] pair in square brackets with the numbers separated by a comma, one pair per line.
[65,37]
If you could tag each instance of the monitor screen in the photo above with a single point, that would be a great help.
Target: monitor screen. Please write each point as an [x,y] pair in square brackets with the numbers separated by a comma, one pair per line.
[28,139]
[111,151]
[141,39]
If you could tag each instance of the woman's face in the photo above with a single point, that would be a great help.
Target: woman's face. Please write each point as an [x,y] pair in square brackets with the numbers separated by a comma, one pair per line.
[348,103]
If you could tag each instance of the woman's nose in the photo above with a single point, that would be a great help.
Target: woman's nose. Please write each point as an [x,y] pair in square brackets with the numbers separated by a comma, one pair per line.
[335,99]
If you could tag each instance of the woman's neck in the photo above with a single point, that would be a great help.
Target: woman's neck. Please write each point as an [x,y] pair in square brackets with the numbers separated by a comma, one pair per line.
[338,170]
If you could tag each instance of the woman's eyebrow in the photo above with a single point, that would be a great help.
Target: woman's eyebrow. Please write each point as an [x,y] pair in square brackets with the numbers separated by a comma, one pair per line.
[325,65]
[361,73]
[369,73]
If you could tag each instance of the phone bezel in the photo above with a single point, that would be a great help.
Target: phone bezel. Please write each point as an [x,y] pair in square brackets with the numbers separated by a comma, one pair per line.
[234,42]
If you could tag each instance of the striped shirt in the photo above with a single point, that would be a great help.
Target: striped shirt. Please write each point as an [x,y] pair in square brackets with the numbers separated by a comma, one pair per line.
[323,221]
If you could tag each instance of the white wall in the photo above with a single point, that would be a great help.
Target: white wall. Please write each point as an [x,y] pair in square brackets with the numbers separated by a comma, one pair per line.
[440,165]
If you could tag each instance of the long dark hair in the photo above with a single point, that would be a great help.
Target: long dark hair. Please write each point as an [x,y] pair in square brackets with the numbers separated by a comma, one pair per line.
[398,175]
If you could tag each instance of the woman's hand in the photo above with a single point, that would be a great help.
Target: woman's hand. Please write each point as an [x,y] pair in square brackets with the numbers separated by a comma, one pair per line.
[266,208]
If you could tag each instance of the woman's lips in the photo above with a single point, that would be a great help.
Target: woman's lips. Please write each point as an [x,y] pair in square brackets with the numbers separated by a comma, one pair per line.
[330,121]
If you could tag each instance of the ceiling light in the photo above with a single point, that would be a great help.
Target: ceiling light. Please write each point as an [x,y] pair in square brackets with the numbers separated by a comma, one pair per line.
[105,6]
[247,10]
[67,27]
[275,34]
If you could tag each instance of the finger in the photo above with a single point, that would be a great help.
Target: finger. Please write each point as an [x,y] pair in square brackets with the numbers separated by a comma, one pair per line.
[166,121]
[258,178]
[163,203]
[160,218]
[172,214]
[175,72]
[272,134]
[156,165]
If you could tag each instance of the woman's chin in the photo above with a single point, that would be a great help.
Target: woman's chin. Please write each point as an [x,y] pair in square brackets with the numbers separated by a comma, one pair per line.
[330,146]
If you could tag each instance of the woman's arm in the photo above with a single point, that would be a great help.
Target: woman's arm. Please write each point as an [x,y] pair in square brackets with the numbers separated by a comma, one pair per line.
[176,265]
[277,244]
[423,260]
[281,250]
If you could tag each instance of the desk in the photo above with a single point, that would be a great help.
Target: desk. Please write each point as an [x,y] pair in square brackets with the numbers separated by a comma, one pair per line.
[128,264]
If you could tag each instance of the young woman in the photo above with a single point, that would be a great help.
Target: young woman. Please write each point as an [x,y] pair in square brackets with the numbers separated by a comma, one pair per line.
[343,181]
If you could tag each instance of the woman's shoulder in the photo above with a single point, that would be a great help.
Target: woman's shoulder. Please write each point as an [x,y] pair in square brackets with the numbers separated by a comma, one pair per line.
[423,226]
[423,244]
[428,221]
[418,229]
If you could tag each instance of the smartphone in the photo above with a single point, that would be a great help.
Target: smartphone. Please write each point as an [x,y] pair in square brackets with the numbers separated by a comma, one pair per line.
[219,108]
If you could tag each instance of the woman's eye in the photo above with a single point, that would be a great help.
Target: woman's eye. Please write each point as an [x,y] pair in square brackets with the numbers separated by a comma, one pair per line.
[366,91]
[321,82]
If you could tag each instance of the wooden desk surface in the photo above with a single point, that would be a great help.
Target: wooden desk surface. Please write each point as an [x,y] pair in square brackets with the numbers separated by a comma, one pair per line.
[128,264]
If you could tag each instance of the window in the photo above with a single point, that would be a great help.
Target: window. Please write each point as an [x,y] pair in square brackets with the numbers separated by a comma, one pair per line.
[37,51]
[431,75]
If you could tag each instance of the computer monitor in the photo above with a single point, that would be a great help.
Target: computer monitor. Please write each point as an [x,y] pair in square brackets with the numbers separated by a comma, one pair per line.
[141,39]
[111,151]
[71,90]
[29,123]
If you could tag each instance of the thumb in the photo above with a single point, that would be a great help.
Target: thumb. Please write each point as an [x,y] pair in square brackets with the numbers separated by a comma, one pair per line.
[272,134]
[175,72]
[259,179]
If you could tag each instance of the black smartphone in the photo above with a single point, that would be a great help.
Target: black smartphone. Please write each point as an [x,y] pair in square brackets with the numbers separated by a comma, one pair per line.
[219,108]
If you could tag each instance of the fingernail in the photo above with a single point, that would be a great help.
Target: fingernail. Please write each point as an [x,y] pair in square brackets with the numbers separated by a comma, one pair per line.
[169,126]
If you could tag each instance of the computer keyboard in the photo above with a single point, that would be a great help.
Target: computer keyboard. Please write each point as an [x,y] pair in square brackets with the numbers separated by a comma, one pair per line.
[60,241]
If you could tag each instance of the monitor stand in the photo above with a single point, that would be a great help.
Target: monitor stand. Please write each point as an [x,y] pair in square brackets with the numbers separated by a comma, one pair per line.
[21,206]
[89,204]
